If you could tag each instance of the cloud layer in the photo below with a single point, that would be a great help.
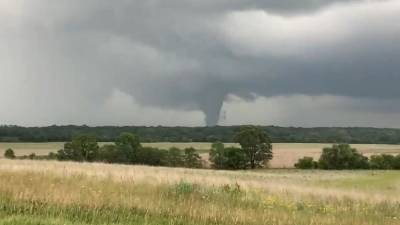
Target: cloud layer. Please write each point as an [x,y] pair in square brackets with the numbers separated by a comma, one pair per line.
[164,62]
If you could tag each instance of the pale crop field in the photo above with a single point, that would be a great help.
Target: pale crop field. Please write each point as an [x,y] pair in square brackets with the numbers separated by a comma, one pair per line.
[285,154]
[52,193]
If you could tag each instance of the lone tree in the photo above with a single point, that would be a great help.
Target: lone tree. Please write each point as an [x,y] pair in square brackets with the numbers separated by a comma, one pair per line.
[9,154]
[256,144]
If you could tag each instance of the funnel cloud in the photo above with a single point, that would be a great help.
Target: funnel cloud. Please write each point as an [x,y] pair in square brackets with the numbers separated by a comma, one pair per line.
[178,63]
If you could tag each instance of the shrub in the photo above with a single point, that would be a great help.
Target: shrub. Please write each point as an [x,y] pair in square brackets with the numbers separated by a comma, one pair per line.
[111,154]
[230,158]
[184,188]
[175,157]
[217,156]
[236,159]
[383,162]
[9,154]
[192,159]
[396,164]
[52,156]
[342,156]
[82,148]
[128,146]
[68,153]
[306,163]
[152,156]
[32,156]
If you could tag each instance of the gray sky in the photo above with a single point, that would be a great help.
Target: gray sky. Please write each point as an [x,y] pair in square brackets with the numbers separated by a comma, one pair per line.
[184,62]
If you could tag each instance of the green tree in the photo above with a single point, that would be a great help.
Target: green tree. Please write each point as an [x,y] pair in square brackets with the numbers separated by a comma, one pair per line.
[342,156]
[217,156]
[128,146]
[128,139]
[152,156]
[236,159]
[83,147]
[68,153]
[52,156]
[9,154]
[382,162]
[192,159]
[256,144]
[110,154]
[175,157]
[306,163]
[228,158]
[396,163]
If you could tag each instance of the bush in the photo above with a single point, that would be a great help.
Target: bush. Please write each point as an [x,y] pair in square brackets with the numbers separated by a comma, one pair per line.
[217,156]
[236,159]
[32,156]
[396,164]
[82,148]
[52,156]
[152,156]
[111,154]
[68,153]
[9,154]
[192,159]
[128,146]
[228,158]
[383,162]
[175,157]
[342,156]
[306,163]
[128,150]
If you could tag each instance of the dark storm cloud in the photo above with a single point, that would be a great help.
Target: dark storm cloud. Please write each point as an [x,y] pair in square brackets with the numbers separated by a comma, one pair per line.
[190,55]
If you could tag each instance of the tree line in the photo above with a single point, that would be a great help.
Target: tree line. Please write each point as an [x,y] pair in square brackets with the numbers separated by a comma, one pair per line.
[127,149]
[201,134]
[255,152]
[344,157]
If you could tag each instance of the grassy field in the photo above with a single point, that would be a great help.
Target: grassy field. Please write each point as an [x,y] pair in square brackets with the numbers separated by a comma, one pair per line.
[50,193]
[285,155]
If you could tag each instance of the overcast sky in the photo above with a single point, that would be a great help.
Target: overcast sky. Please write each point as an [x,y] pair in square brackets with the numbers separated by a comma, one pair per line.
[184,62]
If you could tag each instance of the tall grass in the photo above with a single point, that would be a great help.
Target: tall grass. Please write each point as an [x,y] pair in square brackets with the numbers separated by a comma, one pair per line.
[73,193]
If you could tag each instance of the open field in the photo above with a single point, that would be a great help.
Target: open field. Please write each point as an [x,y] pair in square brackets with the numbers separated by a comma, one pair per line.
[285,154]
[50,193]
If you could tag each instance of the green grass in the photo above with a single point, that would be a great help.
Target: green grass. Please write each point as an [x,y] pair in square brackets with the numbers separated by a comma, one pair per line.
[385,181]
[38,213]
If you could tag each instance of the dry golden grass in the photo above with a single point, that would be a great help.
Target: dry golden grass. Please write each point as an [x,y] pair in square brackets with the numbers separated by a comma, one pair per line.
[285,197]
[293,181]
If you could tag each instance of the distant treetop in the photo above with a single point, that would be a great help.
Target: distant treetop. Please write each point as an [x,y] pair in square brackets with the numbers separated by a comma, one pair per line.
[201,134]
